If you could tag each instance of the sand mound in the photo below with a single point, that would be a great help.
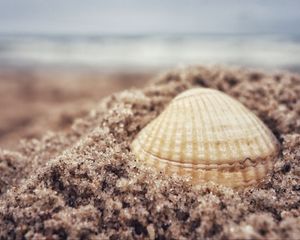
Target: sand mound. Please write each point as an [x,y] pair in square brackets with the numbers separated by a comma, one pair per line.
[84,183]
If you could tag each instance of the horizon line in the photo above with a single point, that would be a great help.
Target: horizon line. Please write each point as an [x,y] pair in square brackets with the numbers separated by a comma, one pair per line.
[58,33]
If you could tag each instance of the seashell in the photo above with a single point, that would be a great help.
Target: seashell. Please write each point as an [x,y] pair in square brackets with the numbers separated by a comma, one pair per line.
[205,135]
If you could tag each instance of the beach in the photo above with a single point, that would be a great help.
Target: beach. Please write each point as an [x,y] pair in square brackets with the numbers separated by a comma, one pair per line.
[37,100]
[74,176]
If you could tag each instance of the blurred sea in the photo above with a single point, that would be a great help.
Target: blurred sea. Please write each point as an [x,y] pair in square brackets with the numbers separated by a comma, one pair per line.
[149,51]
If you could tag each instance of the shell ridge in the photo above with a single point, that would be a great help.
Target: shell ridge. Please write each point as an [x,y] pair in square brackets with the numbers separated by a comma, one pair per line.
[246,113]
[230,109]
[201,133]
[172,143]
[158,123]
[205,146]
[160,135]
[207,124]
[266,132]
[212,121]
[259,172]
[227,150]
[182,140]
[194,138]
[259,124]
[226,133]
[163,136]
[216,103]
[211,101]
[173,154]
[229,105]
[248,150]
[144,135]
[146,156]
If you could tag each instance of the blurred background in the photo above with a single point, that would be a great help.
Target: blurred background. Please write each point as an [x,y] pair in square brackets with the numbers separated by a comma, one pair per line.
[58,57]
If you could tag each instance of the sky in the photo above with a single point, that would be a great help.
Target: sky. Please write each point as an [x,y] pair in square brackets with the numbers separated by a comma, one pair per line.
[152,16]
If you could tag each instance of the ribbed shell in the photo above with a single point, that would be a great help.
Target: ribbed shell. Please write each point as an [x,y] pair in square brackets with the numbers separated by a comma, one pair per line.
[206,135]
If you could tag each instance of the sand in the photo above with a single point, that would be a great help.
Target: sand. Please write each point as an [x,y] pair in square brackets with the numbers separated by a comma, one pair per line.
[84,183]
[35,99]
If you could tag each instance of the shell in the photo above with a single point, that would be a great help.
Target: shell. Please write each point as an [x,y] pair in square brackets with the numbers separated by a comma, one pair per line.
[205,135]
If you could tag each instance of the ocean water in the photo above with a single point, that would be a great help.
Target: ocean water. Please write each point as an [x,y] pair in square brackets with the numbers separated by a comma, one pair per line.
[149,51]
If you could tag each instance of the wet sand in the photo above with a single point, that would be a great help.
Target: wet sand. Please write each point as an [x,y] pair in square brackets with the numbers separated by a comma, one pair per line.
[84,183]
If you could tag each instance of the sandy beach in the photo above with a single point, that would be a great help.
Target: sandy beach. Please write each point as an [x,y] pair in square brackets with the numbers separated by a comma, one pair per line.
[74,175]
[37,100]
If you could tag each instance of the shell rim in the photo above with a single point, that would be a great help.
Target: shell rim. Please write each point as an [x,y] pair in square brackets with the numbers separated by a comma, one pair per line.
[136,146]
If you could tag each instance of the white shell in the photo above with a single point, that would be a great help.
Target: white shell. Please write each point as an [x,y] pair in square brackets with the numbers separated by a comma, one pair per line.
[206,135]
